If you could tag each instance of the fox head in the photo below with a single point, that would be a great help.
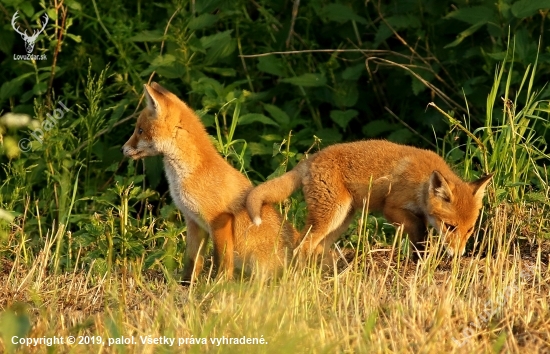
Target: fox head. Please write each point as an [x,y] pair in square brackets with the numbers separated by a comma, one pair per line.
[158,124]
[453,209]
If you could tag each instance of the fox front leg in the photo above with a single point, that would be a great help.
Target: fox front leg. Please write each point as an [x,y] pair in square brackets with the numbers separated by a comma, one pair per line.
[413,225]
[194,251]
[222,237]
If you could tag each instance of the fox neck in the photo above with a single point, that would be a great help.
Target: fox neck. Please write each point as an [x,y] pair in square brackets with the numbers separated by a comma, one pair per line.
[187,150]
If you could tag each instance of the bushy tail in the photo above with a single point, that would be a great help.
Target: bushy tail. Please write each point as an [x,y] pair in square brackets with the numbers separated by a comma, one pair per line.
[274,191]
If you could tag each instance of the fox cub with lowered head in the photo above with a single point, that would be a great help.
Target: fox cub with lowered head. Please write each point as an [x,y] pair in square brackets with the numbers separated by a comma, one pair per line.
[209,192]
[410,186]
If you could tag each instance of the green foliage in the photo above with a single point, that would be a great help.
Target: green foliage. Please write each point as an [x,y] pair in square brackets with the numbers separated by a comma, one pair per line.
[357,70]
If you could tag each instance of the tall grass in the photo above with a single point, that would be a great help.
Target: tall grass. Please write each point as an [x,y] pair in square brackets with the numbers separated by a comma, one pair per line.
[375,303]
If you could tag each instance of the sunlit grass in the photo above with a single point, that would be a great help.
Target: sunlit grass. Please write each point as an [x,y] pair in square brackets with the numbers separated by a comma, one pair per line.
[376,302]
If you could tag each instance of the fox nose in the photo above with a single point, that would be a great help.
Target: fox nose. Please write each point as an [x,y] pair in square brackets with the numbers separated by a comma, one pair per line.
[122,149]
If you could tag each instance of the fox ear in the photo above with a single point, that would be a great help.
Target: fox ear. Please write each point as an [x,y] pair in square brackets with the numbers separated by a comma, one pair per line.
[439,187]
[152,101]
[478,186]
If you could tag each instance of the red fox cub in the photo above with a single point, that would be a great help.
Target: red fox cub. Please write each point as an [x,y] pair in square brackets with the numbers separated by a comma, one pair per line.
[210,193]
[410,186]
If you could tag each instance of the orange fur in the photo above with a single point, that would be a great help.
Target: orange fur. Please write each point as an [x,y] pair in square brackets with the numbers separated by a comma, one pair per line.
[410,186]
[208,191]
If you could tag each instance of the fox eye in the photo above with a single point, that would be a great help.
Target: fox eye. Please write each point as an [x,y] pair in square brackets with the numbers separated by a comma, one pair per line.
[140,131]
[450,227]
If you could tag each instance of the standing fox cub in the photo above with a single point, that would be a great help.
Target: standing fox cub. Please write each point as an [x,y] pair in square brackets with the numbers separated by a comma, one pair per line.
[410,186]
[210,193]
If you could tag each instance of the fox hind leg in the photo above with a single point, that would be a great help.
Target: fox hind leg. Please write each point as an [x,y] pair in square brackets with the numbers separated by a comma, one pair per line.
[325,246]
[328,216]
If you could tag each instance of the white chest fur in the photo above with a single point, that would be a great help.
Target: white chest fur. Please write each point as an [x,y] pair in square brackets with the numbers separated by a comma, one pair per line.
[177,174]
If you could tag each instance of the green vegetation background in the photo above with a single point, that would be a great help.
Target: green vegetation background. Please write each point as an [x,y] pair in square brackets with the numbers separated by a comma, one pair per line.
[358,69]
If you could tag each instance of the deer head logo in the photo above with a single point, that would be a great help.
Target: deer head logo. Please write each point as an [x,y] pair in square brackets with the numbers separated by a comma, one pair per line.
[29,40]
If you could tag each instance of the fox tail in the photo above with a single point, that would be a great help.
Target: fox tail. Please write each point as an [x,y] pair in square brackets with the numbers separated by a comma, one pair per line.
[275,190]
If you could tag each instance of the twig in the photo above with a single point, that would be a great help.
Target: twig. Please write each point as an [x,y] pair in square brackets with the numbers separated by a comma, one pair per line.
[58,45]
[449,101]
[162,43]
[242,59]
[414,52]
[294,15]
[372,51]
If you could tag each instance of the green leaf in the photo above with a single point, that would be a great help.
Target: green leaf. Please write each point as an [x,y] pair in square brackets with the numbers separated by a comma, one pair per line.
[329,135]
[9,88]
[6,43]
[400,136]
[378,127]
[278,114]
[74,5]
[147,36]
[206,5]
[228,72]
[342,118]
[52,14]
[353,72]
[527,8]
[383,33]
[173,71]
[345,93]
[27,9]
[464,34]
[259,149]
[40,88]
[417,85]
[399,22]
[77,39]
[216,39]
[307,80]
[256,117]
[497,56]
[166,66]
[271,65]
[341,13]
[163,60]
[524,44]
[271,137]
[153,257]
[202,21]
[220,51]
[473,15]
[195,45]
